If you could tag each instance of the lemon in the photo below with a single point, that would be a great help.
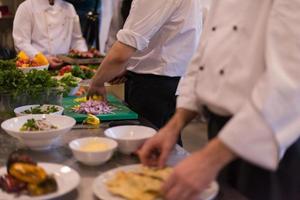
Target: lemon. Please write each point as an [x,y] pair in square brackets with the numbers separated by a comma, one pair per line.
[92,120]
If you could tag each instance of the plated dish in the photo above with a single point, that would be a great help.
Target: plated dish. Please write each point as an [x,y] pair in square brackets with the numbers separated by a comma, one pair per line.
[104,182]
[37,125]
[66,179]
[41,139]
[38,109]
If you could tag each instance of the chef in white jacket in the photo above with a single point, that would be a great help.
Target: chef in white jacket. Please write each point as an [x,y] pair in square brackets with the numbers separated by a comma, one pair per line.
[245,75]
[48,26]
[155,47]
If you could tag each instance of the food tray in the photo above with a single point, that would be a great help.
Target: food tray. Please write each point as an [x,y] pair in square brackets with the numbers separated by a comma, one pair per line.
[80,61]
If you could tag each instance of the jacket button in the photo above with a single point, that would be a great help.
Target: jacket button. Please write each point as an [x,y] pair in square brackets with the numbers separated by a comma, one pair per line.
[222,72]
[235,28]
[201,68]
[214,28]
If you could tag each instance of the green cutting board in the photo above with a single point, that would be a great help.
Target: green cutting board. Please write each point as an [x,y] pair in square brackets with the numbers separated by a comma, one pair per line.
[121,112]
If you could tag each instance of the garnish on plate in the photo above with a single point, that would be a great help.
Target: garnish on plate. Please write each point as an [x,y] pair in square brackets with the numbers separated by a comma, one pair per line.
[26,177]
[44,109]
[37,125]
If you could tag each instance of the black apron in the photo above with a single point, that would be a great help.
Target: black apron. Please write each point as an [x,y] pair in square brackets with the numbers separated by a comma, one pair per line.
[151,96]
[257,183]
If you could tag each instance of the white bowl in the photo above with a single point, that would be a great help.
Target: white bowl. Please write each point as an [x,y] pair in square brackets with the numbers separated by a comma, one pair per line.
[38,140]
[18,111]
[130,137]
[28,69]
[92,158]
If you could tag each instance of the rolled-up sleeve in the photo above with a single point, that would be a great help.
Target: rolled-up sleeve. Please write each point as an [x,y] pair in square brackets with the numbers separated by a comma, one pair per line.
[267,125]
[145,19]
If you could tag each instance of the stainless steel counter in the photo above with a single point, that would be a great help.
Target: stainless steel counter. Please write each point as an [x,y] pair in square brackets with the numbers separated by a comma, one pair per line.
[63,155]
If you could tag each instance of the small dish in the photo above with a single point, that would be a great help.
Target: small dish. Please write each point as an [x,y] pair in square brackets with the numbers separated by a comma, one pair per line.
[85,150]
[129,137]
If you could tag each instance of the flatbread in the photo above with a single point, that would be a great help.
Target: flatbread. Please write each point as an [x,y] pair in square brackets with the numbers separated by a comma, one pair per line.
[143,184]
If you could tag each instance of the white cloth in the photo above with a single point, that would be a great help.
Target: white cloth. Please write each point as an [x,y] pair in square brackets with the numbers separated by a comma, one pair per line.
[247,65]
[106,18]
[115,25]
[165,33]
[111,23]
[40,27]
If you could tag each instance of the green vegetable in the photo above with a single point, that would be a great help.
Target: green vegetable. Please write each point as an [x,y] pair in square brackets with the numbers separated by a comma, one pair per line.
[68,81]
[35,83]
[41,110]
[37,125]
[12,80]
[76,71]
[30,125]
[8,64]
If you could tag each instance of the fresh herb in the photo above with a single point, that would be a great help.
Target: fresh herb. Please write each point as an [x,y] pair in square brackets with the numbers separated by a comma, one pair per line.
[76,71]
[41,110]
[39,81]
[7,64]
[68,81]
[37,125]
[30,125]
[82,72]
[12,80]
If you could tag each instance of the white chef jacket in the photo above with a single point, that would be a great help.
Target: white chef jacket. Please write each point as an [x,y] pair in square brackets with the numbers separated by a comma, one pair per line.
[111,23]
[165,33]
[247,65]
[40,27]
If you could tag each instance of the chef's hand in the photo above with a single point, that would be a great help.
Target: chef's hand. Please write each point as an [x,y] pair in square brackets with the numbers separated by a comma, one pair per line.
[156,150]
[54,61]
[96,90]
[194,174]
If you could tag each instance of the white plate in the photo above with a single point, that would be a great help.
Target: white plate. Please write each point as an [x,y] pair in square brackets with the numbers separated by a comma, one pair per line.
[99,187]
[67,179]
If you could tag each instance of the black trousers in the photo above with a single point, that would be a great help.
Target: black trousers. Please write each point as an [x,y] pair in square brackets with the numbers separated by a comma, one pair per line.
[255,182]
[152,96]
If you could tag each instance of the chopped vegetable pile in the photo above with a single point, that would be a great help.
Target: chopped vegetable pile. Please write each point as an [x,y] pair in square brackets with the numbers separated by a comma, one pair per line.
[94,107]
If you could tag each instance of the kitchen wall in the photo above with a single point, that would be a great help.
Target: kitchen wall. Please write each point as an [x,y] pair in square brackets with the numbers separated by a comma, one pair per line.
[6,23]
